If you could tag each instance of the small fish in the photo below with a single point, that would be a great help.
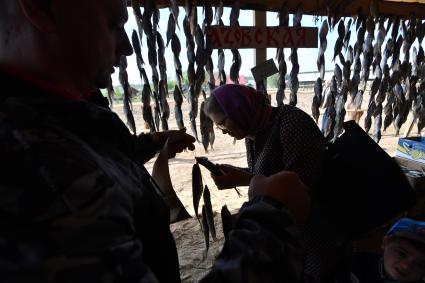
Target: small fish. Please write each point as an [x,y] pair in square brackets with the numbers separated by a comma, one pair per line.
[197,187]
[219,11]
[193,110]
[206,231]
[227,221]
[317,99]
[127,106]
[234,13]
[171,28]
[209,212]
[178,99]
[337,48]
[204,120]
[174,9]
[111,93]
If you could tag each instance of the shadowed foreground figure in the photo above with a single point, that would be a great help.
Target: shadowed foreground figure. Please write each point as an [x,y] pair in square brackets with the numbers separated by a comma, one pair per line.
[76,203]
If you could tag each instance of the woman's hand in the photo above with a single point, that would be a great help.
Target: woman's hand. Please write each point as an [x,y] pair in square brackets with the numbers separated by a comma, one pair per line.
[231,178]
[285,187]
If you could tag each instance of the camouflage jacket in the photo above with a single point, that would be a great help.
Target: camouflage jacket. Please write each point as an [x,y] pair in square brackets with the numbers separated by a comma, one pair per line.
[77,205]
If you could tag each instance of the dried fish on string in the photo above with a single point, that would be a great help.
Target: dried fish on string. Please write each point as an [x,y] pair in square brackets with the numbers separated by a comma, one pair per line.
[237,60]
[178,99]
[377,55]
[280,56]
[201,60]
[206,231]
[226,220]
[317,99]
[330,113]
[174,9]
[171,28]
[193,110]
[347,35]
[209,212]
[219,12]
[139,21]
[383,88]
[355,80]
[176,49]
[209,65]
[165,108]
[294,83]
[221,62]
[338,75]
[367,52]
[197,187]
[146,91]
[340,40]
[207,129]
[127,106]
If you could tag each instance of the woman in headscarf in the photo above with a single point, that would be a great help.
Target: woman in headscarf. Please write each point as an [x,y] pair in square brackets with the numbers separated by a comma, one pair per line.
[277,138]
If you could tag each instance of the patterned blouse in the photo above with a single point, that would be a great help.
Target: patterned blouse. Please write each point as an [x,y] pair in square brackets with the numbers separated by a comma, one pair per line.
[292,141]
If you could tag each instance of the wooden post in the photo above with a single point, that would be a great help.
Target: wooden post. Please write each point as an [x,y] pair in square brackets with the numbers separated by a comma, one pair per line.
[260,20]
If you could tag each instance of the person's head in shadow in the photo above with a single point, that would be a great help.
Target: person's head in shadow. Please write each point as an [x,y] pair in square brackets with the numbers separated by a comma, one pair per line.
[404,251]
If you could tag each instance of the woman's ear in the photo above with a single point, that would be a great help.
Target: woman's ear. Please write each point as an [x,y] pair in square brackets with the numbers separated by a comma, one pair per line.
[39,14]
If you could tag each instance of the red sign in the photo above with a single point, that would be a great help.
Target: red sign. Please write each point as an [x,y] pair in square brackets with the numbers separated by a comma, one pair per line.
[262,37]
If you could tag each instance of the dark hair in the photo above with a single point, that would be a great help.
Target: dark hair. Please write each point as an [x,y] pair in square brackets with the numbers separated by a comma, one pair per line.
[416,244]
[212,106]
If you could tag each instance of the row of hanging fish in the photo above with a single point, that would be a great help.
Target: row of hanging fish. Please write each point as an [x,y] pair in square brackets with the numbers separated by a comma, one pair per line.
[397,87]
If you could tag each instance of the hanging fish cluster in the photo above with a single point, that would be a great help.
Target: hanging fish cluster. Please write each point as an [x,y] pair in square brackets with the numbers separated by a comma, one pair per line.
[128,108]
[280,56]
[221,61]
[198,190]
[189,27]
[318,86]
[146,91]
[237,60]
[209,65]
[294,83]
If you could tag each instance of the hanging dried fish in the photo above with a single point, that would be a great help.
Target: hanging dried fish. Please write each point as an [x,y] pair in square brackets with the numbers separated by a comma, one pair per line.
[201,60]
[176,49]
[165,108]
[171,28]
[178,99]
[338,75]
[317,99]
[347,34]
[209,212]
[197,187]
[206,231]
[193,110]
[209,65]
[294,83]
[139,21]
[280,56]
[146,91]
[227,222]
[220,66]
[123,78]
[204,127]
[219,12]
[340,40]
[174,9]
[318,86]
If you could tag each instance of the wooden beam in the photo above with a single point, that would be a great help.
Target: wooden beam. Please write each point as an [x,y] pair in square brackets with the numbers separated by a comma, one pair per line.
[317,7]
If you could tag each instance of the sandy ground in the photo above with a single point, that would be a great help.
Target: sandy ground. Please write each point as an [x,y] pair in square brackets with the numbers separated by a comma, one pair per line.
[188,235]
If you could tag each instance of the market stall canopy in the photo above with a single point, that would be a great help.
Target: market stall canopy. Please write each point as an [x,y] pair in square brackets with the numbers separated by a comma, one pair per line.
[402,8]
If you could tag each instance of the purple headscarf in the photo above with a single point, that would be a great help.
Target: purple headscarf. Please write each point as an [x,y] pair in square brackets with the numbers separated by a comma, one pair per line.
[247,108]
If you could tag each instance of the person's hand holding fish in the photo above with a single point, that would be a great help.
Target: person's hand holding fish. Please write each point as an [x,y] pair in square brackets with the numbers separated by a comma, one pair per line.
[178,141]
[285,187]
[232,177]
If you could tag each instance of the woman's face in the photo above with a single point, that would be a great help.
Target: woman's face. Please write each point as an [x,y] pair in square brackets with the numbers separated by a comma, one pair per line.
[226,125]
